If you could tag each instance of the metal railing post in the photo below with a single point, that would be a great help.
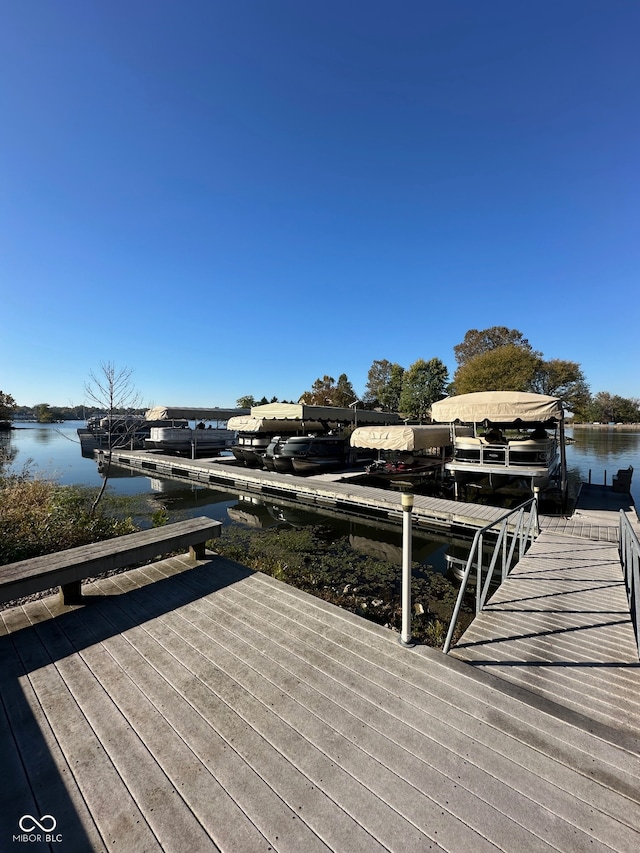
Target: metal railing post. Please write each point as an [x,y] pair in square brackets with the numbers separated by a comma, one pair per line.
[629,550]
[519,535]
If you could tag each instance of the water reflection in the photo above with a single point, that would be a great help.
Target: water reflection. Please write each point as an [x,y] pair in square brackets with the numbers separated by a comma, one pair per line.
[379,539]
[45,434]
[8,451]
[604,444]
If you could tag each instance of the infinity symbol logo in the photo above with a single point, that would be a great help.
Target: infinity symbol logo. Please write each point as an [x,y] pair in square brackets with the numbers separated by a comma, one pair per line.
[42,824]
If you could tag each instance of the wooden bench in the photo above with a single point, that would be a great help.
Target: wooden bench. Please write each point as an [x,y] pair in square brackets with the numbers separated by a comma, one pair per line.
[622,480]
[67,569]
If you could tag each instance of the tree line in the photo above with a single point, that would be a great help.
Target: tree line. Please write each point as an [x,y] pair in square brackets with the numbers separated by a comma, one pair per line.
[44,413]
[493,359]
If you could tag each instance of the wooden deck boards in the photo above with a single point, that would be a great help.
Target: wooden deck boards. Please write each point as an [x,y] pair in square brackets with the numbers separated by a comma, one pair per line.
[217,709]
[560,626]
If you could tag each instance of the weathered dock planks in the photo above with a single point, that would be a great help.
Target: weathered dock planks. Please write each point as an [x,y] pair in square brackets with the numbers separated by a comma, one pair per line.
[217,709]
[560,626]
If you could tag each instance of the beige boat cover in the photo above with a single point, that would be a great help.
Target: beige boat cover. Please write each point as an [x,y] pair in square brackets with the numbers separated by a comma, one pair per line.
[302,412]
[401,437]
[498,407]
[162,413]
[245,423]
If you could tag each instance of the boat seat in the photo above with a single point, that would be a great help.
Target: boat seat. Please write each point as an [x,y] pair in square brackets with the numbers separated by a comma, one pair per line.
[622,480]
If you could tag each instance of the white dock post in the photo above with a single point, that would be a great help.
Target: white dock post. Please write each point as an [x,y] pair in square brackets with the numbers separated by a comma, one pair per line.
[407,507]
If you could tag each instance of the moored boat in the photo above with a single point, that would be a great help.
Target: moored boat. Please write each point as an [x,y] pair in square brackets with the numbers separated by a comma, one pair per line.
[313,454]
[517,441]
[408,453]
[254,435]
[196,442]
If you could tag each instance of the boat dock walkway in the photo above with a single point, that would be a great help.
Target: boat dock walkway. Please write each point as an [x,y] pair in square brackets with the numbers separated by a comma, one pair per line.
[344,494]
[212,708]
[559,626]
[321,490]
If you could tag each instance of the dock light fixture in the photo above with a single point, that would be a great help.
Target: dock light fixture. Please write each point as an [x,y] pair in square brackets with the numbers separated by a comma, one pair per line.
[407,509]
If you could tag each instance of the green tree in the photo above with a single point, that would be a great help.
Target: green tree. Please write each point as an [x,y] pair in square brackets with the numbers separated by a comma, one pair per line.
[377,379]
[7,407]
[563,379]
[606,408]
[423,384]
[390,394]
[343,394]
[507,368]
[326,392]
[321,393]
[246,402]
[44,413]
[384,385]
[477,343]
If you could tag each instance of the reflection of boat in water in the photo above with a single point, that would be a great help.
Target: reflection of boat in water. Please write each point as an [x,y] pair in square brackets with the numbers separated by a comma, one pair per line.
[516,444]
[456,557]
[251,512]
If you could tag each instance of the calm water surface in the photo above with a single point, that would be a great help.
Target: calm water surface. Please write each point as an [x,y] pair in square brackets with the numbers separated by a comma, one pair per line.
[53,450]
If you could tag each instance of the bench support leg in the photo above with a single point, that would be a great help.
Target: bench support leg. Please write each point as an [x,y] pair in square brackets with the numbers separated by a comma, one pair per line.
[71,593]
[196,552]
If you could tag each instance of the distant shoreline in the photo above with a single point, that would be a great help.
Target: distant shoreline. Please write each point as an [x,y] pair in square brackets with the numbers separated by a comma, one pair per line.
[605,426]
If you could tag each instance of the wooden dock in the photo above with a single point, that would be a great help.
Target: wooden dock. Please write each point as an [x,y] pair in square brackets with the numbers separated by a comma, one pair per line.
[213,708]
[560,626]
[319,491]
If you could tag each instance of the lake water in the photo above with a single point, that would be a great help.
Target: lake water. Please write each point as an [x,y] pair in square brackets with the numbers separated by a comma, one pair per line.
[54,450]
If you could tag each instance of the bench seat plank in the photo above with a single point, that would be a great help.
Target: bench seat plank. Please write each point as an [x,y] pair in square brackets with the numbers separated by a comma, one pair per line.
[69,567]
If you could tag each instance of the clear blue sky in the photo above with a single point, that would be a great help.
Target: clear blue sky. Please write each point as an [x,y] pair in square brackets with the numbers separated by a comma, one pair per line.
[239,196]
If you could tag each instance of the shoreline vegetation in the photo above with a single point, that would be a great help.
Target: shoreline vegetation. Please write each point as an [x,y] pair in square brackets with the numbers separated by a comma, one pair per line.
[39,516]
[317,560]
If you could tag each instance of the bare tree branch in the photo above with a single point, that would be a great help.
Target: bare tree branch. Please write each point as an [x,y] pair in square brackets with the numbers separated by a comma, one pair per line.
[112,389]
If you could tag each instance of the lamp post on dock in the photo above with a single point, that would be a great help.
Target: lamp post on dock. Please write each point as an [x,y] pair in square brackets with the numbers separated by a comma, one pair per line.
[407,508]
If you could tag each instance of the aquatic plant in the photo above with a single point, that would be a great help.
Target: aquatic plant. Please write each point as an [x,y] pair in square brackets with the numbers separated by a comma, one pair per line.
[318,561]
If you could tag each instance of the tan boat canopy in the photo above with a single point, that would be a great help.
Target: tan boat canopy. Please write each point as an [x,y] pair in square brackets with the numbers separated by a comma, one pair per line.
[169,413]
[401,437]
[335,414]
[245,423]
[498,407]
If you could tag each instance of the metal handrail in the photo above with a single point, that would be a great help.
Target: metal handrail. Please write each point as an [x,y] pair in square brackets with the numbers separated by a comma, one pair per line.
[629,550]
[514,450]
[525,528]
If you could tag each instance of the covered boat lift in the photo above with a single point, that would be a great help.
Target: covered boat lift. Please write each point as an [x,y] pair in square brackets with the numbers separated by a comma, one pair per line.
[174,413]
[518,410]
[324,414]
[403,437]
[181,438]
[271,420]
[401,442]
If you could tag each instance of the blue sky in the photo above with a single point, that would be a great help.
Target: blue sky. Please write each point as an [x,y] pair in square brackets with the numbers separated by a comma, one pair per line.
[239,197]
